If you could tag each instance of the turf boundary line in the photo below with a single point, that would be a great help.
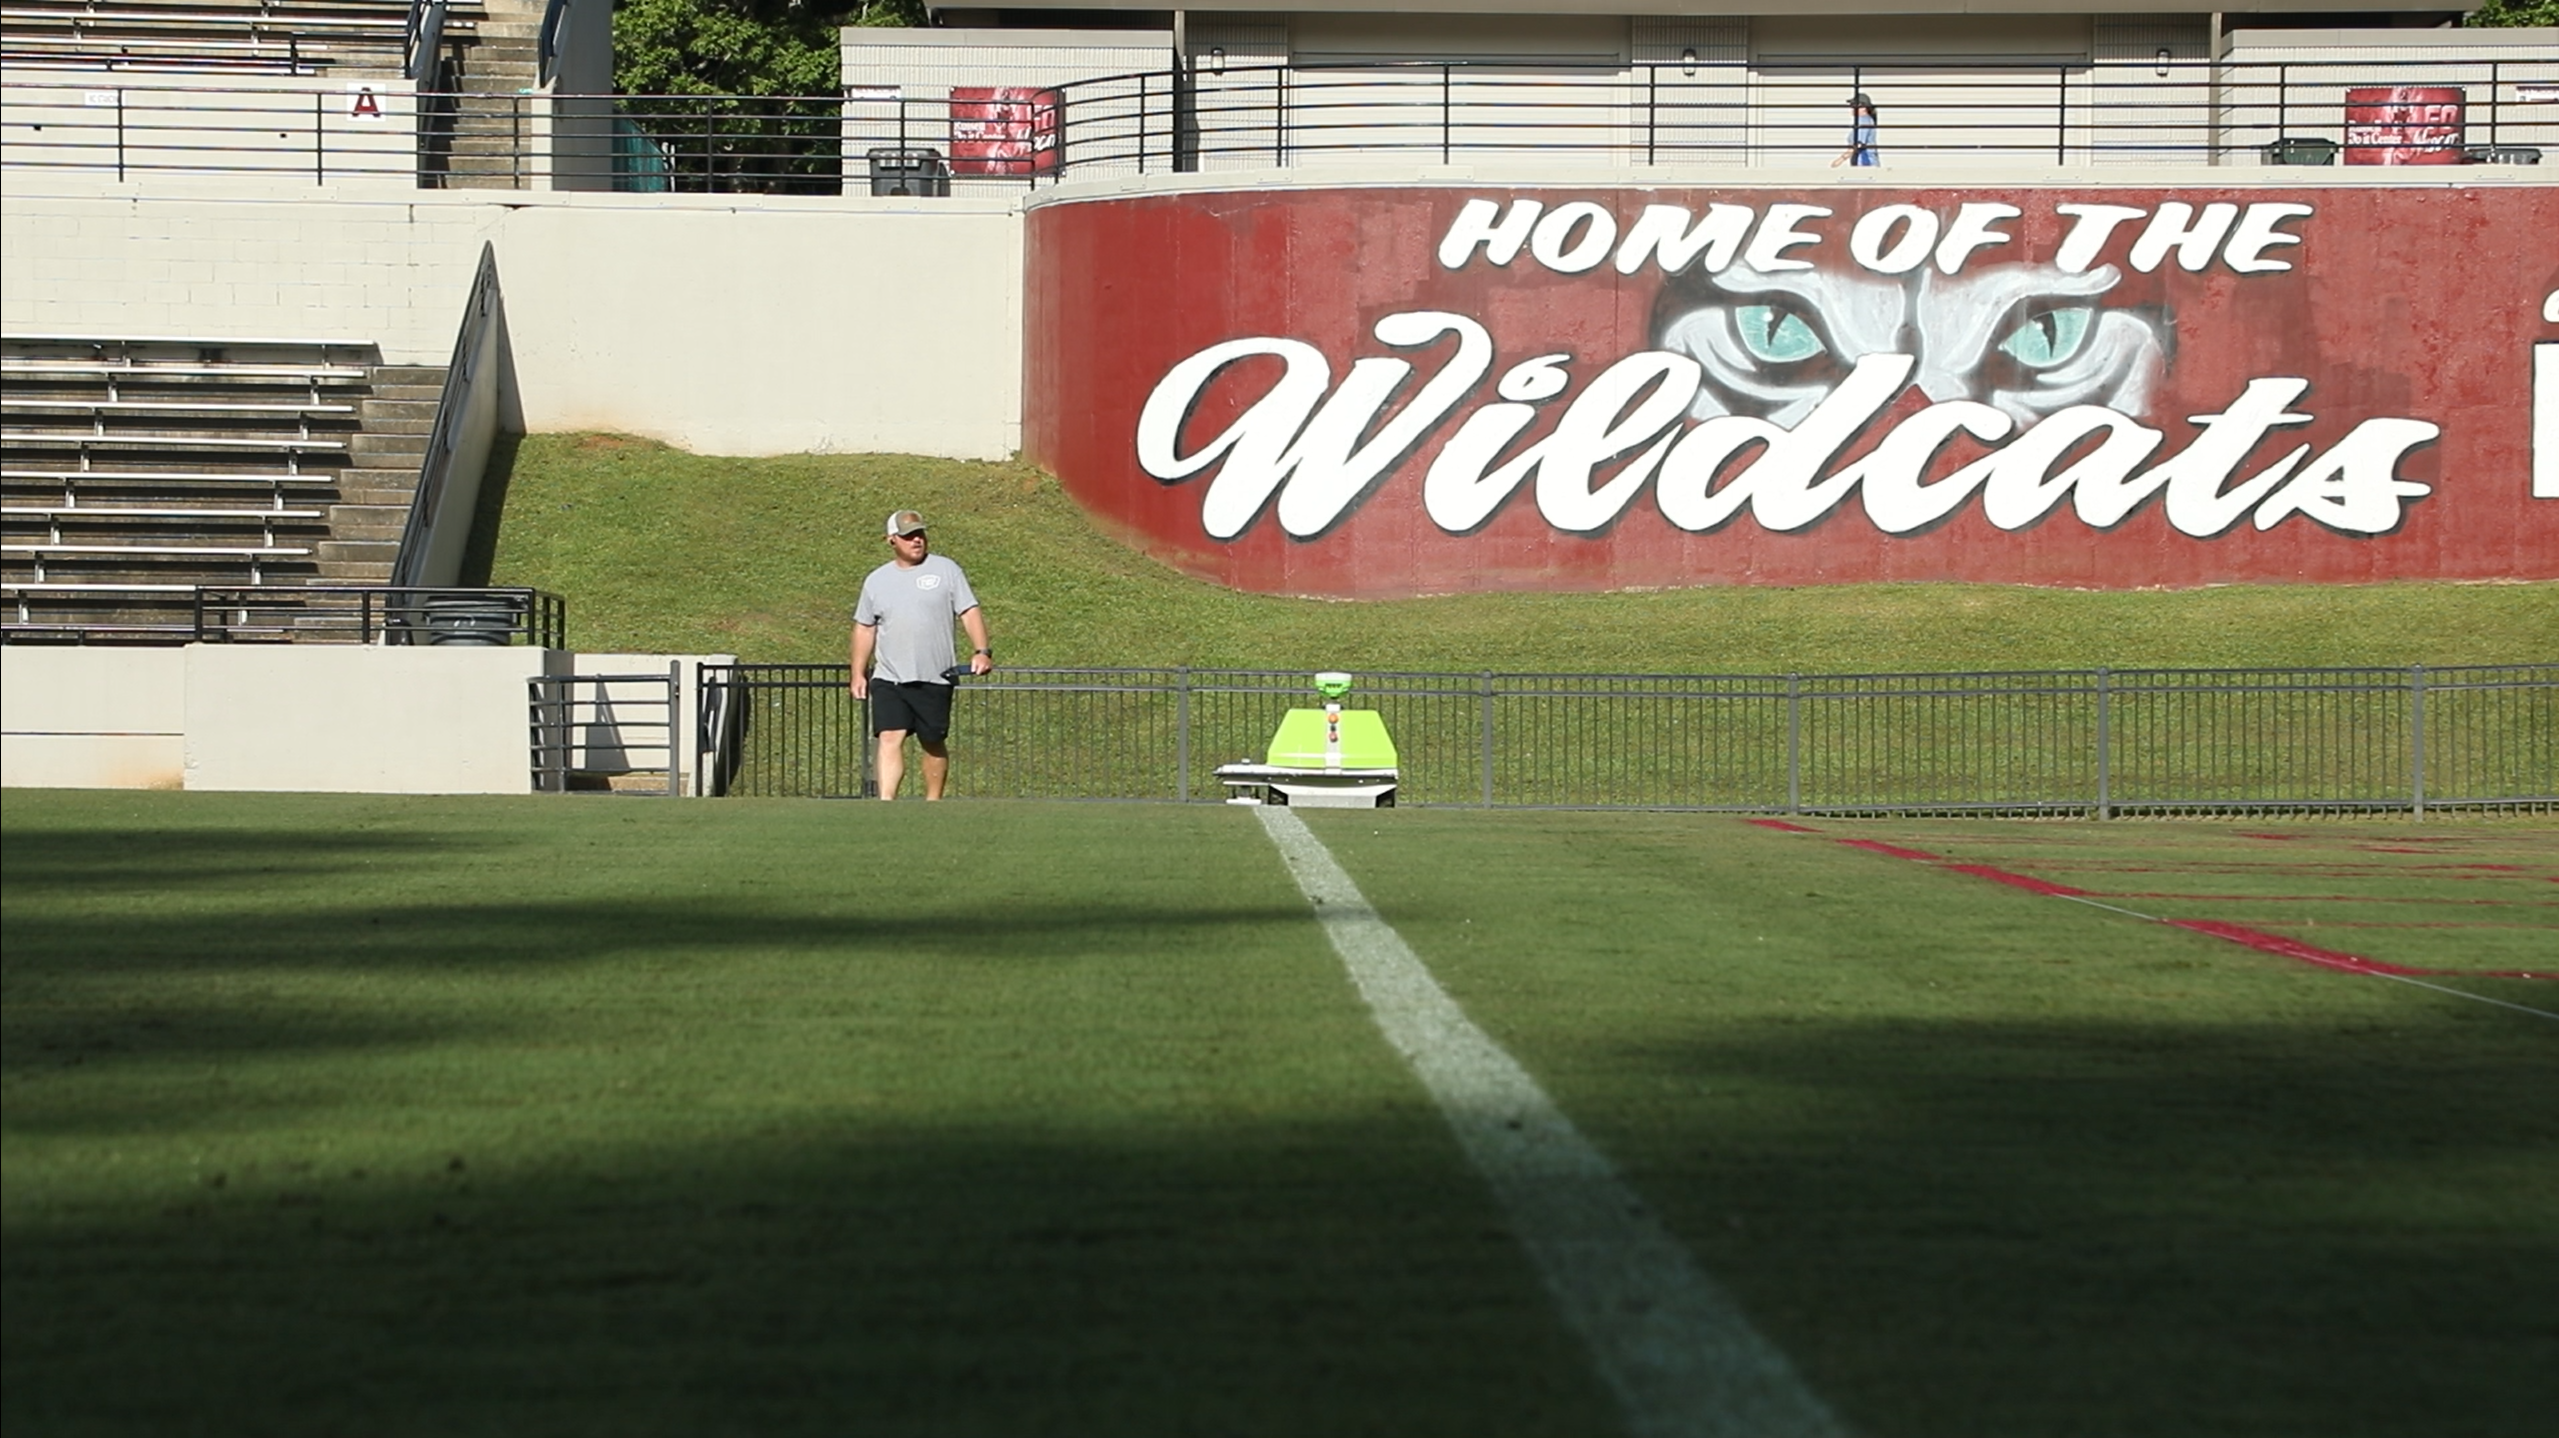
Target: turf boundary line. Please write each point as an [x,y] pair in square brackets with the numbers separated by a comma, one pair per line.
[1675,1349]
[2232,933]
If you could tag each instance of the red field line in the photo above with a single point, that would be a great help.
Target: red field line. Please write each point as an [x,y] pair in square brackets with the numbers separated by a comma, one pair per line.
[2235,933]
[2319,899]
[2023,881]
[1880,847]
[2331,958]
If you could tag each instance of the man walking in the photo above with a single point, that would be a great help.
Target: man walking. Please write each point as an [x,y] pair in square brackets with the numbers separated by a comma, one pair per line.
[902,651]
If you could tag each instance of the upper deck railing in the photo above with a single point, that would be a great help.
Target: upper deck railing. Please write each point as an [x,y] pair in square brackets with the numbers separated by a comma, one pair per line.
[2445,106]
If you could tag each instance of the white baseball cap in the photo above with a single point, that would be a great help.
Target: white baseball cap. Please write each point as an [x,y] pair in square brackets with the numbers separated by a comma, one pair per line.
[904,522]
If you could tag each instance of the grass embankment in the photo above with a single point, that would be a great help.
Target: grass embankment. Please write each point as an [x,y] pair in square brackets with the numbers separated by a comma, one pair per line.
[362,1115]
[661,551]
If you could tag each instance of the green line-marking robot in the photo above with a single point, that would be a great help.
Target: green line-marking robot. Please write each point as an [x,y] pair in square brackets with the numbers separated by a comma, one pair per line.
[1328,758]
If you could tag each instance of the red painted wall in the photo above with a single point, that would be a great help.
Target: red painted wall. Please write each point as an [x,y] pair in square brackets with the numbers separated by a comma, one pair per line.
[2389,330]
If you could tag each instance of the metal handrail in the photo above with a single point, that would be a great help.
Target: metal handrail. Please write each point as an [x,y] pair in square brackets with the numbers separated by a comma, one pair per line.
[426,505]
[422,46]
[554,15]
[380,614]
[2287,111]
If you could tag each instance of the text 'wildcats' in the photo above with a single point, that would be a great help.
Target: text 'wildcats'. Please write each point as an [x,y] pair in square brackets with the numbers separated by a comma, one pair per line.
[1768,370]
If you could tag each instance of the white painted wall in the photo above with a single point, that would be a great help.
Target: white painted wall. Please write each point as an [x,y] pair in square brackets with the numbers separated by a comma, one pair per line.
[722,324]
[334,718]
[360,718]
[73,717]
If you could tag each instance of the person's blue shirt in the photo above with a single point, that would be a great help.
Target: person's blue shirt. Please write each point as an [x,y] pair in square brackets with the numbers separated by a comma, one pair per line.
[1861,141]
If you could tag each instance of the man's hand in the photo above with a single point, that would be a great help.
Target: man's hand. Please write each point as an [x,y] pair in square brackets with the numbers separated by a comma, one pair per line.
[981,663]
[861,687]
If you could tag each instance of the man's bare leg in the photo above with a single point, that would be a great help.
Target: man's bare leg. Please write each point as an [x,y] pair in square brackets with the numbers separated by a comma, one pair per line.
[892,770]
[937,766]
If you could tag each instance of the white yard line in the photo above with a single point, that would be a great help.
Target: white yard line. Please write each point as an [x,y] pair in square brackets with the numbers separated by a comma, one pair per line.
[1675,1348]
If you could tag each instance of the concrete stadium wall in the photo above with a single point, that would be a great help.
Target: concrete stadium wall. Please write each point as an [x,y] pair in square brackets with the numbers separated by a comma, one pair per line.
[720,324]
[323,718]
[1381,389]
[82,718]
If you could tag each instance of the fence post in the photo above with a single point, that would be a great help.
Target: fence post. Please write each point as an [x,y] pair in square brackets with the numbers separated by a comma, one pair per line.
[674,706]
[1443,112]
[1794,744]
[2417,740]
[319,148]
[1182,738]
[119,132]
[2105,745]
[1652,111]
[2061,115]
[1487,705]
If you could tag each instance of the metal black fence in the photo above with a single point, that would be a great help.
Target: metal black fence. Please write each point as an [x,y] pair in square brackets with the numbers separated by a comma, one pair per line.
[380,614]
[884,139]
[2080,742]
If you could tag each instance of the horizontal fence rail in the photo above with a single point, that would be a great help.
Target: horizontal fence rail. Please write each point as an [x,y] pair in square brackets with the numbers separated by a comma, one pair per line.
[380,614]
[2101,742]
[612,733]
[899,140]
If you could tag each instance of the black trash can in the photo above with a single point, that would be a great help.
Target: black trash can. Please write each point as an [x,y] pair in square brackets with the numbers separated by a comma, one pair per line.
[489,620]
[918,172]
[2302,150]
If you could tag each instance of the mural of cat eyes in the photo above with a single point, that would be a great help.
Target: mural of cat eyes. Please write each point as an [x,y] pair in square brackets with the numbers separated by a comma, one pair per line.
[2049,336]
[1776,335]
[2025,339]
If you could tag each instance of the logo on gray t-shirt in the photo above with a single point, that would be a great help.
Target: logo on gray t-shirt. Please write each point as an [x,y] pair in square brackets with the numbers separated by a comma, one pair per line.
[914,608]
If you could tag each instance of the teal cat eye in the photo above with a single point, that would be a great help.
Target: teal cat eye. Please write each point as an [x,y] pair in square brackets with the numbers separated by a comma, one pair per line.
[1775,336]
[2049,338]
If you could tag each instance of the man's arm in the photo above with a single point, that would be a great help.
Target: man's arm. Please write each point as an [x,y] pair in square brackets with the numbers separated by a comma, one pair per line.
[864,637]
[974,621]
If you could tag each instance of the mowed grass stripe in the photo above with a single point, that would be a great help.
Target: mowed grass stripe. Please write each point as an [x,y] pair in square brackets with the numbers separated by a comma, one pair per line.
[1683,1359]
[1988,1166]
[594,1115]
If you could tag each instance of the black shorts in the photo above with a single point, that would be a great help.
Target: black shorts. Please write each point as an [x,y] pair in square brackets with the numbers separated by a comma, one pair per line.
[923,710]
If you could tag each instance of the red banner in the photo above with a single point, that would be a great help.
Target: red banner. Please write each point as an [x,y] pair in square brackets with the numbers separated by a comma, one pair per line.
[2404,125]
[1000,131]
[1394,391]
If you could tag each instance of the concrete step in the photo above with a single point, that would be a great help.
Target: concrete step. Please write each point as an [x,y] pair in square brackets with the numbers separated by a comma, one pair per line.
[368,521]
[377,410]
[349,572]
[386,374]
[428,393]
[358,551]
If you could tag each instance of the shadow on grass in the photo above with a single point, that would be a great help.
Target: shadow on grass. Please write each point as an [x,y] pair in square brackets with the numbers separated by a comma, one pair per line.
[825,1280]
[2324,1225]
[163,859]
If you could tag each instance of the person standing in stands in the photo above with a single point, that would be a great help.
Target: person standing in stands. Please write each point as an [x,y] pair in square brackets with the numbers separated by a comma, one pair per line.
[1861,134]
[903,656]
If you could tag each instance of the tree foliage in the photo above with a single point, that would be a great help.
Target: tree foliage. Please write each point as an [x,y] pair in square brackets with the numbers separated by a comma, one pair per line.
[739,95]
[2498,14]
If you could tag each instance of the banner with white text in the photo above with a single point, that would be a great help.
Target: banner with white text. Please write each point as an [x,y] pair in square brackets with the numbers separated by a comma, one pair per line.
[1379,392]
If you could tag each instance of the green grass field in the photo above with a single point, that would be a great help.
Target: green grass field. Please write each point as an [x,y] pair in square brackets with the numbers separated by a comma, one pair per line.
[611,1116]
[659,551]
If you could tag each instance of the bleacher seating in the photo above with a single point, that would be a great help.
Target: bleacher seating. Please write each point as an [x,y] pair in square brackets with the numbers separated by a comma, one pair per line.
[133,470]
[264,36]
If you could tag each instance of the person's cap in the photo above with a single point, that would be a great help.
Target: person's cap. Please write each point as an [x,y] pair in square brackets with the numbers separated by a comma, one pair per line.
[1860,101]
[905,522]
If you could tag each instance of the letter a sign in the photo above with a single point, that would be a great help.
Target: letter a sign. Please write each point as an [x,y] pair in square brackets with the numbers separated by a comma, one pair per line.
[363,103]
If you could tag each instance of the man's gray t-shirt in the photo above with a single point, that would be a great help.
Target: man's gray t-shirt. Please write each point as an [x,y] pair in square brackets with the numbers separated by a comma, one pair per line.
[914,609]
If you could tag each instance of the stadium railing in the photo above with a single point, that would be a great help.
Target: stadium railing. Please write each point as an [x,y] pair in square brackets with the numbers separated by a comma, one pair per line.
[2099,742]
[380,614]
[2103,114]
